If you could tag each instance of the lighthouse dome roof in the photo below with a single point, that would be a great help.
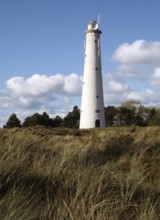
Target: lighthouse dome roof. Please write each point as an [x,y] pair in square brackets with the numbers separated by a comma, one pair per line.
[93,25]
[92,22]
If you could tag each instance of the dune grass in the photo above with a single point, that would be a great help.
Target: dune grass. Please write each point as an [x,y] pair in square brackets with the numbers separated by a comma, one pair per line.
[65,174]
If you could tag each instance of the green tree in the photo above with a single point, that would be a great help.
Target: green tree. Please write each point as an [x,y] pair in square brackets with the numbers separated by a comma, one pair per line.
[131,104]
[141,118]
[72,118]
[12,122]
[126,112]
[132,112]
[154,117]
[125,116]
[57,121]
[46,120]
[38,119]
[33,120]
[110,115]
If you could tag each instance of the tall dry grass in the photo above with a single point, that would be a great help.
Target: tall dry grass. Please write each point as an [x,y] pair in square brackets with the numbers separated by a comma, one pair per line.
[64,174]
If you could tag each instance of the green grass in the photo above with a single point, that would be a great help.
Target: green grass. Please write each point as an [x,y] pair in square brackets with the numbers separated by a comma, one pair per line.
[65,174]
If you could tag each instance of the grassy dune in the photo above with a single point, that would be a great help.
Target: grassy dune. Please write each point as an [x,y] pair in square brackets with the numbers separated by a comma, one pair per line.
[65,174]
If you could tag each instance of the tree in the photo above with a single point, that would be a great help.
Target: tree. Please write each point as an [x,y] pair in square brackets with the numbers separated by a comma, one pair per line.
[12,122]
[131,104]
[154,117]
[125,116]
[38,119]
[110,114]
[32,120]
[46,120]
[141,118]
[132,112]
[72,118]
[57,121]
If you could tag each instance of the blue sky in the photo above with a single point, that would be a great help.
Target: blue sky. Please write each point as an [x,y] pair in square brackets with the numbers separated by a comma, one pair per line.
[42,53]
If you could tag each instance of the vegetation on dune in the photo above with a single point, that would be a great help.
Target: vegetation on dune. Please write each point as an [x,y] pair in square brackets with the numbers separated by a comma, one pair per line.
[127,114]
[70,174]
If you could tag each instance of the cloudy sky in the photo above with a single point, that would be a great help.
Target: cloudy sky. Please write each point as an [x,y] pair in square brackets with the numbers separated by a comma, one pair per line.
[42,53]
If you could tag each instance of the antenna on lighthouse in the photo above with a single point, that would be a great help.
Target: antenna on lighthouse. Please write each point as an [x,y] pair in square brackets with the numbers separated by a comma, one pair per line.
[99,19]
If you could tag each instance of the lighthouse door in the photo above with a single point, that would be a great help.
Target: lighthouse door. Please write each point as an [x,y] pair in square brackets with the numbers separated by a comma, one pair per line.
[97,123]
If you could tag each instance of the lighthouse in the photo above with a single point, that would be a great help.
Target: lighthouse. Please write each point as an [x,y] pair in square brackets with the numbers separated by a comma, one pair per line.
[92,103]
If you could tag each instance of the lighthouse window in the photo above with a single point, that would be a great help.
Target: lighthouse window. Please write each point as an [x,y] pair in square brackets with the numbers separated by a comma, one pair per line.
[97,111]
[98,44]
[99,52]
[95,41]
[96,68]
[97,96]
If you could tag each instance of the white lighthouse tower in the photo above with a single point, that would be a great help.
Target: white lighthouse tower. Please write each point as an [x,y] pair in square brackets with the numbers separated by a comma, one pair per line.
[92,104]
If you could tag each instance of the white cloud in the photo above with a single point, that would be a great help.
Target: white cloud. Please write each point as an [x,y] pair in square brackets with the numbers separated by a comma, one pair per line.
[117,91]
[117,87]
[37,90]
[126,71]
[5,102]
[113,99]
[155,78]
[148,97]
[139,52]
[72,84]
[40,85]
[145,96]
[157,73]
[112,84]
[56,95]
[137,75]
